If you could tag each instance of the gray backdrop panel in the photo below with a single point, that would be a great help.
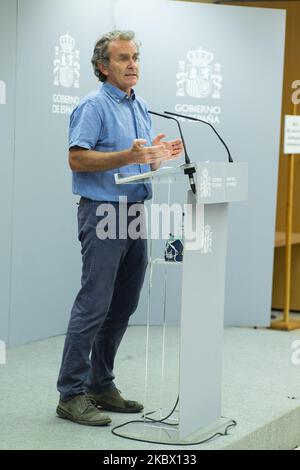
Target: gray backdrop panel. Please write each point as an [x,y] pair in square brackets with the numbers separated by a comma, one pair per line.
[46,254]
[248,43]
[8,14]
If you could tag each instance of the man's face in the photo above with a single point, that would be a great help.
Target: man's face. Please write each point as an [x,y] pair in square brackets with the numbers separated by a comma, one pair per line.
[123,69]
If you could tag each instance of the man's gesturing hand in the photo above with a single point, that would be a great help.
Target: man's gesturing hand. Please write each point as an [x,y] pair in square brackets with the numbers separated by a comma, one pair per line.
[143,155]
[174,146]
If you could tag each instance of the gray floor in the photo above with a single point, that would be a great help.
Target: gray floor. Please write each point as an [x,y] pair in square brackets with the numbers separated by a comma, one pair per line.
[261,391]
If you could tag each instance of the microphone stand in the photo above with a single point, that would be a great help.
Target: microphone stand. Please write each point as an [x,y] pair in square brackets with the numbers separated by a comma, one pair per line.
[188,168]
[204,122]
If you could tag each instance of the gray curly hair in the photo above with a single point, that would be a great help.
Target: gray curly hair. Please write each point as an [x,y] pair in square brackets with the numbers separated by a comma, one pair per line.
[101,55]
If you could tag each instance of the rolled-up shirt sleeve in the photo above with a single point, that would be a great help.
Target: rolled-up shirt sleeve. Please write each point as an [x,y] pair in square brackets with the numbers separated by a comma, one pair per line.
[85,126]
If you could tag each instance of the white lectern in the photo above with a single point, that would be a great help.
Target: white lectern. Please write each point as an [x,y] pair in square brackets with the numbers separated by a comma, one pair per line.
[198,414]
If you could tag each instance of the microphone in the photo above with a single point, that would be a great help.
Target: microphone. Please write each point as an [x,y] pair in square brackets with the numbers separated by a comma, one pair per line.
[186,157]
[205,122]
[189,168]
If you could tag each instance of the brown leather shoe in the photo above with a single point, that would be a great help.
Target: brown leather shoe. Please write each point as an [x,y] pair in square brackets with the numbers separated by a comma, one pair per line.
[82,410]
[113,401]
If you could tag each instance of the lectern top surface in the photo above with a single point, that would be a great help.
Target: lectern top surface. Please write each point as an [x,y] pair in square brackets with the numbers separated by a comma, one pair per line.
[122,178]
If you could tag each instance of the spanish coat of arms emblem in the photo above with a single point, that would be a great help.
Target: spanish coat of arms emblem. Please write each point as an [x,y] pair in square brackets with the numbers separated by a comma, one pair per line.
[199,78]
[66,69]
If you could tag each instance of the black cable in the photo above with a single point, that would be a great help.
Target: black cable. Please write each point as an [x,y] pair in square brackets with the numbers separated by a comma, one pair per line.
[162,420]
[225,433]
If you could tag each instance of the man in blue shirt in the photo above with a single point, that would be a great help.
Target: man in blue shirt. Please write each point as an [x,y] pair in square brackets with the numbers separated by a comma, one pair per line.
[110,132]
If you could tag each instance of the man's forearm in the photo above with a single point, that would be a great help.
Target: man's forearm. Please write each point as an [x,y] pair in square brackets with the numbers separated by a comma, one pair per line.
[90,160]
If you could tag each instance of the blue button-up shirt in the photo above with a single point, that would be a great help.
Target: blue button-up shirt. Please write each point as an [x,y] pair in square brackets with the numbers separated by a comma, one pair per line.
[109,120]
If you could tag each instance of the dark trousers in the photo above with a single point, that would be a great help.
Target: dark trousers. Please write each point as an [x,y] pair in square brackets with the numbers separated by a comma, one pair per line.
[113,272]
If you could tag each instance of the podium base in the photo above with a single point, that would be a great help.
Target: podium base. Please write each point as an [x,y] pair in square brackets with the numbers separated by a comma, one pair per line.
[162,433]
[289,325]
